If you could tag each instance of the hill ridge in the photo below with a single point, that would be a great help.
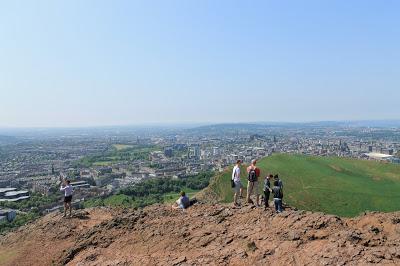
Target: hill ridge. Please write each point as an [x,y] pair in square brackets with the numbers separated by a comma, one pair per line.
[340,186]
[213,234]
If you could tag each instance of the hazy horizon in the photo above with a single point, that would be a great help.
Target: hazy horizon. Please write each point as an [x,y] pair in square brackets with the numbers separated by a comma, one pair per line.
[123,63]
[362,123]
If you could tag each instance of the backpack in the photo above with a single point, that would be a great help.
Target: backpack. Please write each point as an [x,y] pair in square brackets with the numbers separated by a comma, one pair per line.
[252,175]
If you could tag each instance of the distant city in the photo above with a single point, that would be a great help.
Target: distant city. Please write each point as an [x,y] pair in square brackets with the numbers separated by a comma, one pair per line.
[100,161]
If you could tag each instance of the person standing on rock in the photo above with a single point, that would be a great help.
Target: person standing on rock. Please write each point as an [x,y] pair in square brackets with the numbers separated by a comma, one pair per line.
[278,196]
[237,183]
[67,188]
[252,184]
[267,189]
[276,178]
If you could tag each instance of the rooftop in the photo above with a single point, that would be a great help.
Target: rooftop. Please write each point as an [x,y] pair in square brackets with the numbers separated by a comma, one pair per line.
[15,199]
[6,189]
[13,193]
[377,155]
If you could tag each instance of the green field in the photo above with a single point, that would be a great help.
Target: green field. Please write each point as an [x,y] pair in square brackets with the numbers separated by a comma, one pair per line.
[334,185]
[120,147]
[117,153]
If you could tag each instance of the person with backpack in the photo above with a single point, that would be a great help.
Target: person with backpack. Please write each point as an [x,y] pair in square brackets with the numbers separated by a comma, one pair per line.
[252,184]
[236,183]
[267,189]
[278,196]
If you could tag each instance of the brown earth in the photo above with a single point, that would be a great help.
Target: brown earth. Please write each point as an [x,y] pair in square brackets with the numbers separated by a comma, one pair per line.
[204,235]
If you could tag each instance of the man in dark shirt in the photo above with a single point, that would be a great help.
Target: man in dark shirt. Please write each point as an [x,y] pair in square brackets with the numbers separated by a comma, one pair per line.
[278,195]
[267,189]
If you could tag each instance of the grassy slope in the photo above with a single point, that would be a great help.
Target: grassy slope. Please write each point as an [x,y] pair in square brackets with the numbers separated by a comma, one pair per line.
[333,185]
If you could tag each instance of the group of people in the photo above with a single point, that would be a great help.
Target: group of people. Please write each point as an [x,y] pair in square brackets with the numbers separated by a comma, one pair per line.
[253,174]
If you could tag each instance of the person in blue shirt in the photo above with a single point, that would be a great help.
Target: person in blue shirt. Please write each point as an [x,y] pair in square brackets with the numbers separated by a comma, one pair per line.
[183,202]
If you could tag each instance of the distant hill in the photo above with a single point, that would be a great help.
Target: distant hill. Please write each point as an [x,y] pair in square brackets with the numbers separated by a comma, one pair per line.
[340,186]
[257,126]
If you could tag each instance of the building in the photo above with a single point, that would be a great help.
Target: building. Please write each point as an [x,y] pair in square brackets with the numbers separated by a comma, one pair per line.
[168,152]
[3,191]
[379,156]
[12,194]
[80,184]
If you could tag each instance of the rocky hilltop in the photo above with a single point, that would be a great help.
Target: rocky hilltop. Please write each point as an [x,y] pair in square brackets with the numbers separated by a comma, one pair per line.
[206,234]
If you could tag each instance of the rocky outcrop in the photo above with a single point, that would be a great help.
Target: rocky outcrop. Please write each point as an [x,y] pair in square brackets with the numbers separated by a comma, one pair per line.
[204,235]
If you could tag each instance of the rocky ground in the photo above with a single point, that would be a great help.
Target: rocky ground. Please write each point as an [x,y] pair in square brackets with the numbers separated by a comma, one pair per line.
[204,235]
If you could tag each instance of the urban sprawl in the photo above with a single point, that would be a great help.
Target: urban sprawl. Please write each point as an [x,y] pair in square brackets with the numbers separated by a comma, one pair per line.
[102,161]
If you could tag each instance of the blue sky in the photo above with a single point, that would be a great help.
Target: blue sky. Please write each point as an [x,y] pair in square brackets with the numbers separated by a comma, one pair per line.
[88,63]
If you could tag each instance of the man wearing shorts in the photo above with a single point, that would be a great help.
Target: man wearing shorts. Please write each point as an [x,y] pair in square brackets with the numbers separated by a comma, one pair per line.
[67,188]
[238,184]
[252,184]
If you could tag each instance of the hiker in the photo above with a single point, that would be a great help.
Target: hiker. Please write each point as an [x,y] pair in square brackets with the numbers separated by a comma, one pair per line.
[278,195]
[267,189]
[237,184]
[252,184]
[276,178]
[183,202]
[67,188]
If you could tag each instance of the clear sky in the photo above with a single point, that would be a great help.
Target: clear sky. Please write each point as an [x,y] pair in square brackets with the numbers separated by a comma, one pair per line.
[87,63]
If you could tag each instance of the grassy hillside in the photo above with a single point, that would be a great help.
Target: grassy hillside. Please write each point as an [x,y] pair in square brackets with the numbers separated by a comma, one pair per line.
[340,186]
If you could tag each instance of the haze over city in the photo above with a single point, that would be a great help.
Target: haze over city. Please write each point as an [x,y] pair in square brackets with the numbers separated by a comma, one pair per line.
[92,63]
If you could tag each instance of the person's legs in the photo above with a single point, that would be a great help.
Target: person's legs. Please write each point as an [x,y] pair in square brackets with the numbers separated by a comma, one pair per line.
[276,204]
[249,190]
[70,208]
[65,208]
[280,205]
[255,189]
[176,204]
[235,197]
[266,198]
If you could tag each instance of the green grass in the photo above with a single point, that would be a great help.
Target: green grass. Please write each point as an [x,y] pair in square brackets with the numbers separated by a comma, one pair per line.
[117,153]
[334,185]
[105,163]
[120,147]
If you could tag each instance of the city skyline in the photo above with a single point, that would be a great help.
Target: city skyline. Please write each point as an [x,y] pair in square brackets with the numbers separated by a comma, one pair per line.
[96,63]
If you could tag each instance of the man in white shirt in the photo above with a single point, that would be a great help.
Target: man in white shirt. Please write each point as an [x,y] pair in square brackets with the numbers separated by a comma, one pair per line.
[238,184]
[67,188]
